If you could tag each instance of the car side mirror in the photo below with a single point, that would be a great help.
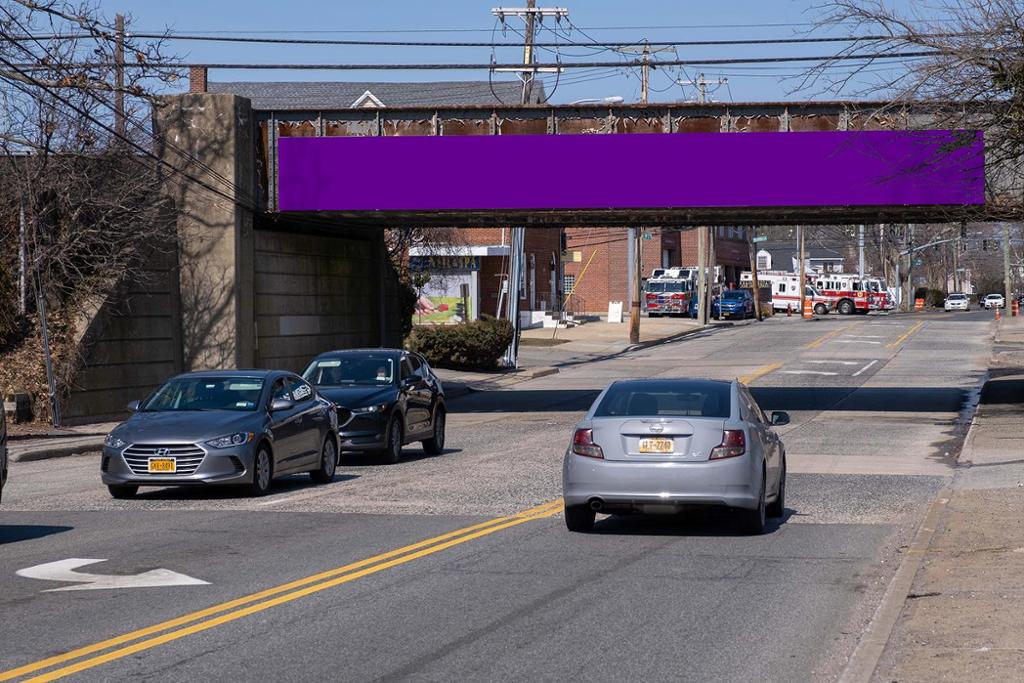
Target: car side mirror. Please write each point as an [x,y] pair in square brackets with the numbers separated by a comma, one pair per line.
[408,382]
[779,418]
[133,406]
[279,404]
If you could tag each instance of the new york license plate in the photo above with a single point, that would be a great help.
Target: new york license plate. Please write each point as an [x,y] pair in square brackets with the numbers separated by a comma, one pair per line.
[162,465]
[656,445]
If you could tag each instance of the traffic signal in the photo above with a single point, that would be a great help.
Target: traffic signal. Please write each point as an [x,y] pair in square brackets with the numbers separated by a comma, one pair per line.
[460,310]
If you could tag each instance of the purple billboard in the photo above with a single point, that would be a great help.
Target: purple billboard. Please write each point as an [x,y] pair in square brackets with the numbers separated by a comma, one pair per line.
[685,170]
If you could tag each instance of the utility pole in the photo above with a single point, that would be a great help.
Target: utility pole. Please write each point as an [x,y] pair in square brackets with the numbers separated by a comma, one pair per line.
[527,73]
[860,249]
[119,127]
[1007,272]
[957,246]
[637,273]
[702,86]
[910,270]
[22,262]
[712,264]
[803,267]
[702,283]
[645,52]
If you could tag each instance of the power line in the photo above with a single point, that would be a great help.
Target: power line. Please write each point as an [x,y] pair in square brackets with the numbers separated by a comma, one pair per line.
[469,66]
[593,42]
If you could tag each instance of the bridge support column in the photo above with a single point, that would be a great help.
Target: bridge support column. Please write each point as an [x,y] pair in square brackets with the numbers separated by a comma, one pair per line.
[208,140]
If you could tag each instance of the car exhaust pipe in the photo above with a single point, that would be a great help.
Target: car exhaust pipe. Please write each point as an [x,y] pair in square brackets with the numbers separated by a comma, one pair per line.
[596,504]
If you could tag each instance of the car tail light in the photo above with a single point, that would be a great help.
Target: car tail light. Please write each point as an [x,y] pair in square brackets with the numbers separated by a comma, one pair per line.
[583,444]
[734,444]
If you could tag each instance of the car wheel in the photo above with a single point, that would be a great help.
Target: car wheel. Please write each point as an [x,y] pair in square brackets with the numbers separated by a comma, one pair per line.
[435,444]
[324,474]
[846,307]
[122,491]
[392,453]
[821,309]
[579,518]
[262,472]
[777,508]
[753,521]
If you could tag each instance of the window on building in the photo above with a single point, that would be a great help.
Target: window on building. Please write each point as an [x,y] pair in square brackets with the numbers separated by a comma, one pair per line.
[764,262]
[568,282]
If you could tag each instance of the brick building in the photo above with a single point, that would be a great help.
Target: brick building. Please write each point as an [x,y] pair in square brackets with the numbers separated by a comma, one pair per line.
[609,255]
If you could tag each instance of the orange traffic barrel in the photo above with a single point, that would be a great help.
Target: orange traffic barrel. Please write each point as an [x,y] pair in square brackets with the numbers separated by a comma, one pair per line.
[918,304]
[808,308]
[1015,308]
[997,313]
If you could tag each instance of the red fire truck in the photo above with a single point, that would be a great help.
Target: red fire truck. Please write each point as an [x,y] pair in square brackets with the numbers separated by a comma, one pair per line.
[786,291]
[848,294]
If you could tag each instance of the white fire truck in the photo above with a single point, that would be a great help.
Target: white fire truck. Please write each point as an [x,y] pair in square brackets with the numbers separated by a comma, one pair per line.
[786,290]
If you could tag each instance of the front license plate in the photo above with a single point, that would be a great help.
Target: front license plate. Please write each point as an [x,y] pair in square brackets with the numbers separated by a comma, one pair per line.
[656,445]
[162,465]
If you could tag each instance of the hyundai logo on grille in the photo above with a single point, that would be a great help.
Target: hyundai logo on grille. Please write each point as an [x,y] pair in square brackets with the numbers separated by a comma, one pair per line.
[162,451]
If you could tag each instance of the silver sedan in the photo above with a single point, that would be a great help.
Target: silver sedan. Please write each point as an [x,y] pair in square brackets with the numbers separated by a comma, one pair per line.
[660,445]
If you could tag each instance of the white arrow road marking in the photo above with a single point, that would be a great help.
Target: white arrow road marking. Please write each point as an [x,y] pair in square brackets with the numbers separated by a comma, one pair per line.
[808,372]
[64,570]
[865,368]
[833,362]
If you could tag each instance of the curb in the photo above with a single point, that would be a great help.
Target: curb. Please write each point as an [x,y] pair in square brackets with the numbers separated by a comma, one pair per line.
[672,338]
[33,453]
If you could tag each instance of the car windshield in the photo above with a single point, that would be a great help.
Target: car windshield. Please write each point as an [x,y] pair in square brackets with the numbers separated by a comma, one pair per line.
[731,294]
[669,398]
[957,297]
[354,369]
[205,393]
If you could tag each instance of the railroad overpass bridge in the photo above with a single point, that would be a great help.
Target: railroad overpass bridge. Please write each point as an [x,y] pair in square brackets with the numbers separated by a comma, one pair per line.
[279,210]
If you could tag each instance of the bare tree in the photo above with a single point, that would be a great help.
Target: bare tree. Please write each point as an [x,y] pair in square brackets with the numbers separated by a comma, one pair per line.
[76,164]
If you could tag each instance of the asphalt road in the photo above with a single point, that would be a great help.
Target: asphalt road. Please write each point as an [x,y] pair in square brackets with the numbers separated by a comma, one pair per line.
[446,568]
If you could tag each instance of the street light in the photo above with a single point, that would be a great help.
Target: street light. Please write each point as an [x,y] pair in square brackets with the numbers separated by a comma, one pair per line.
[614,99]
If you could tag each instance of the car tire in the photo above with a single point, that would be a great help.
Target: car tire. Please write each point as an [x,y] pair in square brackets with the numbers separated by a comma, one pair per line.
[122,491]
[777,508]
[753,522]
[262,472]
[821,309]
[435,444]
[324,474]
[846,307]
[392,452]
[579,519]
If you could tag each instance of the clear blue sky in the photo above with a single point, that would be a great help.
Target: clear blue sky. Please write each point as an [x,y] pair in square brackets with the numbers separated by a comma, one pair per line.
[472,20]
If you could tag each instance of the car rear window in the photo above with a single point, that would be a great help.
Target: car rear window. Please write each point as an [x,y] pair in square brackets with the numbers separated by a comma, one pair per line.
[733,294]
[668,398]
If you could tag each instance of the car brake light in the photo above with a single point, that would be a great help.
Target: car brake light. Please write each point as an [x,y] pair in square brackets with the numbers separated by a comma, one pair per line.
[734,444]
[583,444]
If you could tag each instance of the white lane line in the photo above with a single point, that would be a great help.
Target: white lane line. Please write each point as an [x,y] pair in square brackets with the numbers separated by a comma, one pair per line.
[866,336]
[808,372]
[855,341]
[865,368]
[833,362]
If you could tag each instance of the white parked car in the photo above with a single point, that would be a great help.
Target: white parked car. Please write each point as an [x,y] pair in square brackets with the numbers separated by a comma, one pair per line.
[958,302]
[994,301]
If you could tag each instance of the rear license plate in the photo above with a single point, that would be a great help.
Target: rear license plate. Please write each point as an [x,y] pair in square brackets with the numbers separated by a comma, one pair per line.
[162,465]
[656,445]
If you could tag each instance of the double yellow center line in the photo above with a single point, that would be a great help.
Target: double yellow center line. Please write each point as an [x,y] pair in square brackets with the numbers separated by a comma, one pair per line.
[205,619]
[906,335]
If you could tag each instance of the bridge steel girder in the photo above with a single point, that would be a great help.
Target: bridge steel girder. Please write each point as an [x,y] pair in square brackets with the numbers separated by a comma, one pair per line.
[597,119]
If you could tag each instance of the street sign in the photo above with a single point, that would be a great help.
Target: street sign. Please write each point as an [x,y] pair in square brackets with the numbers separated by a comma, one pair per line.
[648,236]
[760,238]
[918,262]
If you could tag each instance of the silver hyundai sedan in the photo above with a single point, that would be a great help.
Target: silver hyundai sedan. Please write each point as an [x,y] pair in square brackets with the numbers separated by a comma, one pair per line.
[223,427]
[659,445]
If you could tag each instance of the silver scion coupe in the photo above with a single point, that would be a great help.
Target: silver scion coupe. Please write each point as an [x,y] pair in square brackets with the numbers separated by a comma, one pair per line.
[658,445]
[223,427]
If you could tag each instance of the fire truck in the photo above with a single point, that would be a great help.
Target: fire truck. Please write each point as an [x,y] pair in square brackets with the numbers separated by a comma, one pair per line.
[849,294]
[667,296]
[786,290]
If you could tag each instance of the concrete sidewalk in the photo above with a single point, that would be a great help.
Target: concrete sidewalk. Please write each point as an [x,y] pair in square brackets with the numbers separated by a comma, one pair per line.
[600,337]
[963,617]
[57,443]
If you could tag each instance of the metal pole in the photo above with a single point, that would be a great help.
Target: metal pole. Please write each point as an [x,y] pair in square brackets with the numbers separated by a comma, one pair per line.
[712,231]
[753,273]
[634,311]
